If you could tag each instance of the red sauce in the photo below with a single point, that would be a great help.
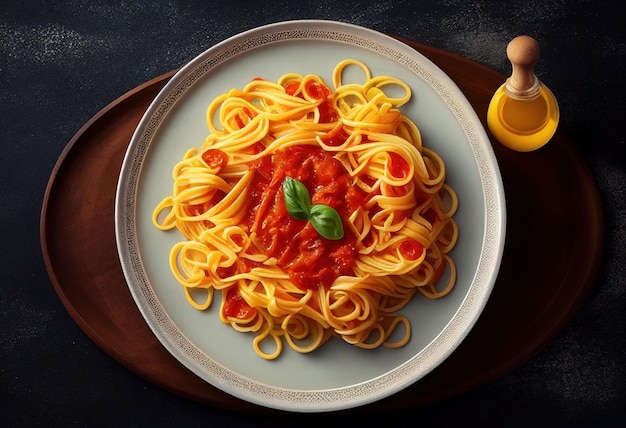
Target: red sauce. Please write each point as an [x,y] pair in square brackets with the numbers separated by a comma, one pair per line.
[308,258]
[235,306]
[399,167]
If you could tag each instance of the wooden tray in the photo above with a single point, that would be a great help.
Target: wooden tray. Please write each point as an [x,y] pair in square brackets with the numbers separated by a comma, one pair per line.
[551,256]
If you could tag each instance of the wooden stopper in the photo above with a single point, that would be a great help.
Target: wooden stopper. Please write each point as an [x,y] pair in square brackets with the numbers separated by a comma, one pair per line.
[523,52]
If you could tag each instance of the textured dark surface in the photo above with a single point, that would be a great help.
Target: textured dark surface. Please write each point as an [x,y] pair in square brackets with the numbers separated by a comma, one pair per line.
[62,61]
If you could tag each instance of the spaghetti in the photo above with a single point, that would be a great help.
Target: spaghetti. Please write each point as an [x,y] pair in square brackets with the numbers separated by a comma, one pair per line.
[354,151]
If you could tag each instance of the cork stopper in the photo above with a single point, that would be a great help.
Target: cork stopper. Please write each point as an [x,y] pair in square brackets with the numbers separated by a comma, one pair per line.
[523,53]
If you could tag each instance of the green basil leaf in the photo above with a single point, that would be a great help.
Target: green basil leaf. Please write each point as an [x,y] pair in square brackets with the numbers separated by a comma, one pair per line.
[327,221]
[297,199]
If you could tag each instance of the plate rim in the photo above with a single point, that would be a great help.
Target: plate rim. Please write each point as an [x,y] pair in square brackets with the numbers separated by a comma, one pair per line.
[316,400]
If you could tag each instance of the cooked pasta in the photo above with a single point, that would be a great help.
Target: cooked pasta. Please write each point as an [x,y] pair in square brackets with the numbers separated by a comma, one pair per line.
[348,150]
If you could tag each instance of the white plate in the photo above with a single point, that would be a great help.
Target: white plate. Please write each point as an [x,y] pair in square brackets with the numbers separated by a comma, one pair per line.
[337,376]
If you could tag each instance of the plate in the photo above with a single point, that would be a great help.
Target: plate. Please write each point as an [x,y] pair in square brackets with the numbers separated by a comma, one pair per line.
[337,376]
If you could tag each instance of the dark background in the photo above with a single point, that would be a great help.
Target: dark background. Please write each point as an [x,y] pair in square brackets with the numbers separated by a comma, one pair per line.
[62,61]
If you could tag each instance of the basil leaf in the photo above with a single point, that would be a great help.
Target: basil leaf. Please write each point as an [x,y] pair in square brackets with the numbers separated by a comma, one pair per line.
[324,219]
[297,199]
[327,221]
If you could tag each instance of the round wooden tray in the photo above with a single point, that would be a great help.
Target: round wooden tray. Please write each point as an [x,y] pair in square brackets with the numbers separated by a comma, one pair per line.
[551,257]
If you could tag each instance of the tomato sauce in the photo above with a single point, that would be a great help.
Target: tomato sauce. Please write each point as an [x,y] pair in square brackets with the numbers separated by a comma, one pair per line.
[307,257]
[235,306]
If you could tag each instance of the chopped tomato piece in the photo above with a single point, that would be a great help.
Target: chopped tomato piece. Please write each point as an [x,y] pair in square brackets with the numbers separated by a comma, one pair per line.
[292,87]
[316,90]
[215,158]
[336,137]
[411,249]
[328,114]
[236,307]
